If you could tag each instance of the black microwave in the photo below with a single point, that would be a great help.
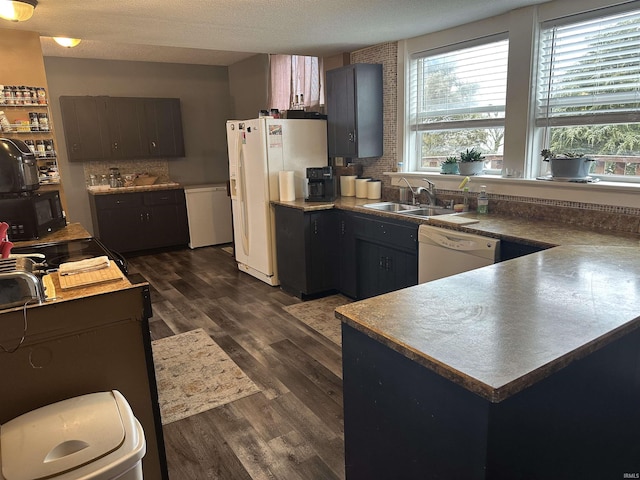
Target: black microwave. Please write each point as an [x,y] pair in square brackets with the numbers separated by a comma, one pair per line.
[32,215]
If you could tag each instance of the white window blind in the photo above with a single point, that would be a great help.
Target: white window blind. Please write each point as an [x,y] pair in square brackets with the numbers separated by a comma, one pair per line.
[460,87]
[589,71]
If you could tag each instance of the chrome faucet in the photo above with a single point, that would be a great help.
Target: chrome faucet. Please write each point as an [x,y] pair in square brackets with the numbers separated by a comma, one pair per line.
[430,190]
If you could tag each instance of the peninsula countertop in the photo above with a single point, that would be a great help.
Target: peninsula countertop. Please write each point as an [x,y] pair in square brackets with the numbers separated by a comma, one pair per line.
[498,329]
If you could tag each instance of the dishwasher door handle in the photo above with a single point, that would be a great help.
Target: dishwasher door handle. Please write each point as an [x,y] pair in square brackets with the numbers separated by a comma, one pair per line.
[452,242]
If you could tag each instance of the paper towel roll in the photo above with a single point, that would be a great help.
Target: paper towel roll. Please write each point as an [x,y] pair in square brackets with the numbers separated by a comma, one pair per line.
[361,187]
[287,186]
[347,185]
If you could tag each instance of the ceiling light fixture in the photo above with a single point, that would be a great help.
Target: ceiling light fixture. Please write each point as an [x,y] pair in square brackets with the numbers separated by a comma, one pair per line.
[17,10]
[67,42]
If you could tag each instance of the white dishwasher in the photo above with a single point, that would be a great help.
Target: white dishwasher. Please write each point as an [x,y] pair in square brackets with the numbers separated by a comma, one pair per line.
[443,252]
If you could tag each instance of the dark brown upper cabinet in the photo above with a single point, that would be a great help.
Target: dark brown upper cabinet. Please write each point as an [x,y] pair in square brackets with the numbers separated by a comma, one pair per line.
[106,128]
[164,135]
[354,111]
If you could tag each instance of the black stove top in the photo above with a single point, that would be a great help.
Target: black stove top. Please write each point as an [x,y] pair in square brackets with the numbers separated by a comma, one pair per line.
[72,251]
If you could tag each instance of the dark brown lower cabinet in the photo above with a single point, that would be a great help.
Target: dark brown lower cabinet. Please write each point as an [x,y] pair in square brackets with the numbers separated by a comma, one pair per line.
[331,250]
[306,250]
[127,222]
[386,255]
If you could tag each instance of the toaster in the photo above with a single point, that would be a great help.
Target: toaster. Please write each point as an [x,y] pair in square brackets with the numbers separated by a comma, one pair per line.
[20,283]
[18,288]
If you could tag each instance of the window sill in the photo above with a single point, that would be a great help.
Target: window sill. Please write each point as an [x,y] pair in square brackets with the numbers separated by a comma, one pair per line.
[604,193]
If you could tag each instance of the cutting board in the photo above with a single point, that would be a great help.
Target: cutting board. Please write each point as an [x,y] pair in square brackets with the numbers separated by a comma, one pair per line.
[109,274]
[454,219]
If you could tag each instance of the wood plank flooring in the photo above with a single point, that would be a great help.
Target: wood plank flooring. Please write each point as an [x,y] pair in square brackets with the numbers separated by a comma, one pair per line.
[293,429]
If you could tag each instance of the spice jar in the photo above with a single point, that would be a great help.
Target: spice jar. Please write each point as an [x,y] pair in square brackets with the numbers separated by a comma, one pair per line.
[43,122]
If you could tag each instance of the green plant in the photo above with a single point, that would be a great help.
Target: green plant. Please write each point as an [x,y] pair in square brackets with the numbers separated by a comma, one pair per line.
[472,155]
[450,159]
[548,155]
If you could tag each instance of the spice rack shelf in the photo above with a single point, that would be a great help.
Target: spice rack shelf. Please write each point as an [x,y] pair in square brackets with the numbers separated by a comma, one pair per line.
[25,119]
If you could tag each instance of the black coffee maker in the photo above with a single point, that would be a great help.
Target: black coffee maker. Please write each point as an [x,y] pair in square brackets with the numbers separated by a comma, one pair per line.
[322,184]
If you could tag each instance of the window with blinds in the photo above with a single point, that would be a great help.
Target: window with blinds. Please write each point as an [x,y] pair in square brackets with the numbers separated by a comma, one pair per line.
[457,101]
[588,94]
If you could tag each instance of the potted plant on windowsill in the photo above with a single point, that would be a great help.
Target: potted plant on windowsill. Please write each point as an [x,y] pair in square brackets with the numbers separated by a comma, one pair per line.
[567,165]
[449,165]
[471,162]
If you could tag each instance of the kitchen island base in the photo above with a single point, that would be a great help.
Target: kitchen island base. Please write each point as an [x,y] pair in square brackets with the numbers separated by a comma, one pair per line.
[403,420]
[90,344]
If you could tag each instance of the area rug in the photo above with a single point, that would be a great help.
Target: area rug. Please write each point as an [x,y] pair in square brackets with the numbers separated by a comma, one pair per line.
[319,315]
[194,375]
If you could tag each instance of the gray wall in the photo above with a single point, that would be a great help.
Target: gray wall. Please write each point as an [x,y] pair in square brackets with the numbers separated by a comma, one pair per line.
[205,101]
[249,87]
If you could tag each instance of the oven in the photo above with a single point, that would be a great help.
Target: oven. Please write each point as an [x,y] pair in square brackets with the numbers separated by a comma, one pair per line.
[53,254]
[72,251]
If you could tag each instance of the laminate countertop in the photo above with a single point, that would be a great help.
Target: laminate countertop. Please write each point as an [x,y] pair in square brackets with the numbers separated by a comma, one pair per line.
[499,329]
[539,233]
[106,190]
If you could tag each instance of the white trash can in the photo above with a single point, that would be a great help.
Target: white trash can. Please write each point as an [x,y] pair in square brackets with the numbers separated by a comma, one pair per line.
[90,437]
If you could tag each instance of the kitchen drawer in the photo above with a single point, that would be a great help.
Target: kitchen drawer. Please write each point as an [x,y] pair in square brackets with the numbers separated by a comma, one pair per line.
[122,200]
[399,236]
[164,197]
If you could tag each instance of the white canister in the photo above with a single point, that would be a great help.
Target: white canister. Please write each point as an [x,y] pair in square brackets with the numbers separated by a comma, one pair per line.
[374,190]
[348,185]
[361,187]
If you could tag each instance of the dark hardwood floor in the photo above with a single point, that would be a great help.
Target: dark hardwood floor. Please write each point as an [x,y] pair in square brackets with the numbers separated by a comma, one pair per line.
[293,429]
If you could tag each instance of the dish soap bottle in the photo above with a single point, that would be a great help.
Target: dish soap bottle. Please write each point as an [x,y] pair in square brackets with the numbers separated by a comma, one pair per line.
[483,200]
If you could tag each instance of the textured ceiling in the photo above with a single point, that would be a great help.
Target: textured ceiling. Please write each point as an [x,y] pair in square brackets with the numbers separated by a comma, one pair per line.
[222,32]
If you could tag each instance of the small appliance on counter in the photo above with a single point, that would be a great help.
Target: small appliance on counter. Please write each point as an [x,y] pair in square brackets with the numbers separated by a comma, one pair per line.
[32,215]
[322,184]
[18,167]
[20,282]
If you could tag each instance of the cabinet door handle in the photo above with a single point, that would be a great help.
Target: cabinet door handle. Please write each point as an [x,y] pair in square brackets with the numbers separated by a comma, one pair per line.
[388,263]
[315,227]
[115,145]
[352,137]
[76,147]
[148,217]
[153,144]
[342,227]
[142,217]
[381,263]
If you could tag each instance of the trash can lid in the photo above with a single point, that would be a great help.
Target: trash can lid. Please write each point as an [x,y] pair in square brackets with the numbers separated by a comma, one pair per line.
[61,437]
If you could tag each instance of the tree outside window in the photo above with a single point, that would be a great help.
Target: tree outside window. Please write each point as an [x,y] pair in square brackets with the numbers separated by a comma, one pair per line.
[589,91]
[458,103]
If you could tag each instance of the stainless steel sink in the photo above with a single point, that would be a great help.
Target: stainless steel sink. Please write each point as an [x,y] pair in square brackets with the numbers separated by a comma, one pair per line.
[403,209]
[428,212]
[391,207]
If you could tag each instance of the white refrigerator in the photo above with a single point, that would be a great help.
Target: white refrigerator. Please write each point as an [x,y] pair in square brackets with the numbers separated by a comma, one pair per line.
[258,150]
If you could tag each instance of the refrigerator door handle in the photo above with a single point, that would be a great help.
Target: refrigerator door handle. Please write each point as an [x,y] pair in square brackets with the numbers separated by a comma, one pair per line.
[243,200]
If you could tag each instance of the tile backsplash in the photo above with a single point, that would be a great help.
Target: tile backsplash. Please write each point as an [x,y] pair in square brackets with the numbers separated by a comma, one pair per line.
[588,215]
[158,168]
